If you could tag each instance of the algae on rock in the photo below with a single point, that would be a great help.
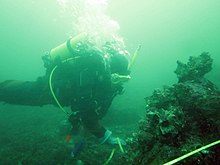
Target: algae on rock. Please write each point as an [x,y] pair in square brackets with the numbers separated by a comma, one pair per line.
[180,118]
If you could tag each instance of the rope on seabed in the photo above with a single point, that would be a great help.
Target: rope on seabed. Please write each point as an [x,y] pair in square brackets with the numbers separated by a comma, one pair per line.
[170,162]
[192,153]
[110,157]
[113,151]
[120,146]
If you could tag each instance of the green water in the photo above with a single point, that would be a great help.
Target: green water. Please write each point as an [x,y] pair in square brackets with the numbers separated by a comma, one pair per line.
[167,30]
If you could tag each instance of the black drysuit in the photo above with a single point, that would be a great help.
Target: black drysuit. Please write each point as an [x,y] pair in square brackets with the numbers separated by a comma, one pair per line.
[83,83]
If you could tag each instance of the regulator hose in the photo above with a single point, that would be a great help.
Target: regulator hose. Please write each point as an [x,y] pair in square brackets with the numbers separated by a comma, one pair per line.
[52,92]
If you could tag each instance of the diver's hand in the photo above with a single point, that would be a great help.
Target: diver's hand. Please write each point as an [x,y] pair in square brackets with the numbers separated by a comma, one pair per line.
[119,79]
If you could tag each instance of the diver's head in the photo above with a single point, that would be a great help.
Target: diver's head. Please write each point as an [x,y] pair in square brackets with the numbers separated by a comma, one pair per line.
[118,63]
[117,58]
[119,69]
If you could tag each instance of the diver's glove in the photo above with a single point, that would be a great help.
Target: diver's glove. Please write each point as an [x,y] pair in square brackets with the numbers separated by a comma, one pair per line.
[119,79]
[110,139]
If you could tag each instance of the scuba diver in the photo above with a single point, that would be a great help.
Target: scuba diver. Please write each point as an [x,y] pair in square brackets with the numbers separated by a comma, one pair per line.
[79,75]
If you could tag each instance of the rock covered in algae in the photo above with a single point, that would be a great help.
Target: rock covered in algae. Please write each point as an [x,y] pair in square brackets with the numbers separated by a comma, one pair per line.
[180,118]
[195,69]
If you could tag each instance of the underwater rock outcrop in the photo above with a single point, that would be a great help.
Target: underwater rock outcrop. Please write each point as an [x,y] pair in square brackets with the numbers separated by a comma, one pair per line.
[180,118]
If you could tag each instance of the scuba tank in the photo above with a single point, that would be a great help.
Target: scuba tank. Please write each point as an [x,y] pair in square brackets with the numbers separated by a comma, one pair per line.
[66,50]
[63,52]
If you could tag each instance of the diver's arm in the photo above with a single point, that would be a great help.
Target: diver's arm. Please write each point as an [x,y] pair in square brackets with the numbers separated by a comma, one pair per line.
[34,93]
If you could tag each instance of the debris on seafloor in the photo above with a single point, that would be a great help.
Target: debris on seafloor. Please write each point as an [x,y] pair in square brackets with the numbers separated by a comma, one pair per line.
[180,118]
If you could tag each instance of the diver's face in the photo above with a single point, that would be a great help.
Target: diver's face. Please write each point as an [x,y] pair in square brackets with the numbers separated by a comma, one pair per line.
[119,79]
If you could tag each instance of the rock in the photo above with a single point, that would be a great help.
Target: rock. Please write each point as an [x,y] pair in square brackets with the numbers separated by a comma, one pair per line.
[179,118]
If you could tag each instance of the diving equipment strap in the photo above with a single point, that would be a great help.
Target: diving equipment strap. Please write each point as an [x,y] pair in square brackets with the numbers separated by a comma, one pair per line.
[69,47]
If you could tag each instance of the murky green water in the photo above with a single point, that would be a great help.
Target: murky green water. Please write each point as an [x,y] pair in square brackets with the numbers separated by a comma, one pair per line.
[167,30]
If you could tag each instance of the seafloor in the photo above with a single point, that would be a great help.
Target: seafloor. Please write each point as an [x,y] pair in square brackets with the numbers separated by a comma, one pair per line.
[31,136]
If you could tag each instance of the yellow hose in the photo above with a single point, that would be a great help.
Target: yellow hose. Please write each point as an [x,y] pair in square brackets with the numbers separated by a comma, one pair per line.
[62,49]
[52,92]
